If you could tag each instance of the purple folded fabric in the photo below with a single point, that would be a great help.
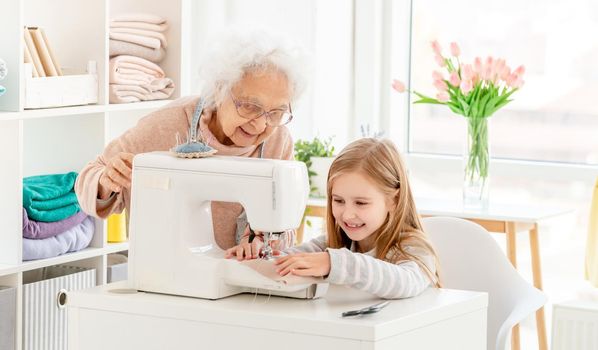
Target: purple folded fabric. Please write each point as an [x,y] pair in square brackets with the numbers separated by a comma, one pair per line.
[71,240]
[39,230]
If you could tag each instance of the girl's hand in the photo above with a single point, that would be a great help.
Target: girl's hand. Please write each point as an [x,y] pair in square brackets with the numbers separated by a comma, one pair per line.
[116,174]
[246,250]
[304,264]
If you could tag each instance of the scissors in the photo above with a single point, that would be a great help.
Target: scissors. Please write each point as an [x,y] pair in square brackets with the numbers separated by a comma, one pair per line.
[367,310]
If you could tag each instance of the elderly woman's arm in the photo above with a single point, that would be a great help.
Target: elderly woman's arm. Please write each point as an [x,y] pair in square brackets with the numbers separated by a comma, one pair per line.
[152,133]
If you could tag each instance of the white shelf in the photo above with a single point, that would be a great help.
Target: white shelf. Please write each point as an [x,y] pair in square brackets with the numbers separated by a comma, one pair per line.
[56,140]
[86,253]
[137,106]
[82,110]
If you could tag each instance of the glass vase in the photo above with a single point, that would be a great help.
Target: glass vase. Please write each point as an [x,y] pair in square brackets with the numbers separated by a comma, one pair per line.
[476,163]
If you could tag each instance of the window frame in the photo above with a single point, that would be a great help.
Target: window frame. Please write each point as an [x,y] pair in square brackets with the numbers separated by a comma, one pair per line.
[399,117]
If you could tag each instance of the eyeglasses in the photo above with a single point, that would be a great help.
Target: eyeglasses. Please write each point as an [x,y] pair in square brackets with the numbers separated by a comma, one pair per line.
[274,117]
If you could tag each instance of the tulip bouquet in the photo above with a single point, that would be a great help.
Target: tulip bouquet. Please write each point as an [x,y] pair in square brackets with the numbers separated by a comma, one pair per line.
[475,91]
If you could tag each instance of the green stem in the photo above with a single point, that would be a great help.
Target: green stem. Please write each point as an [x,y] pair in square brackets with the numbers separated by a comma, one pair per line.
[478,157]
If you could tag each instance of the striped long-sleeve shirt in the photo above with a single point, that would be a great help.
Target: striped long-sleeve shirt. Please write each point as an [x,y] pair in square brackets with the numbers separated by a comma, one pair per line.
[365,272]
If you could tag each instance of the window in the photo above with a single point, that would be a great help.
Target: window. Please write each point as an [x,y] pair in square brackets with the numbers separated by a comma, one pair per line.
[554,117]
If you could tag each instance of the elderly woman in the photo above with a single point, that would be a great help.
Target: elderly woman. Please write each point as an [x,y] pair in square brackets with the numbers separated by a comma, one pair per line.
[249,80]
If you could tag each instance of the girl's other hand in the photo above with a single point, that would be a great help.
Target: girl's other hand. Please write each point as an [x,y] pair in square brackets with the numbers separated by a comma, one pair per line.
[304,264]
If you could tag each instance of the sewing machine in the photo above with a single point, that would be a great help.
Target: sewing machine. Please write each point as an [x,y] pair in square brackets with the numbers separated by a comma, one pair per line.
[172,246]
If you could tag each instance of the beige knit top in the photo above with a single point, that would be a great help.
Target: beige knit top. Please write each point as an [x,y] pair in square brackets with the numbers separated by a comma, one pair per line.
[157,132]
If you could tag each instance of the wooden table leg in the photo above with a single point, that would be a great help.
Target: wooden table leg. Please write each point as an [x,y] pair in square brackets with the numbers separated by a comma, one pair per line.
[537,276]
[512,255]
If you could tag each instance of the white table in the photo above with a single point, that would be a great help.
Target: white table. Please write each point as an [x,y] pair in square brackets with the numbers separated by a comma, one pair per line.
[501,218]
[438,318]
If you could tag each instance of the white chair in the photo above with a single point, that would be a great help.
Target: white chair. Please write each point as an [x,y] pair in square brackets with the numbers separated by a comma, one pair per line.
[470,259]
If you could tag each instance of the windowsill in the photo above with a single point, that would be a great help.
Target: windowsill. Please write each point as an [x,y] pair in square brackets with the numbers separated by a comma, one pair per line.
[507,167]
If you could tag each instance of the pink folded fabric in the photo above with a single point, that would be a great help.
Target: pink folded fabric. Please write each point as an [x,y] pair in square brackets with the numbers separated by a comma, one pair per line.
[136,70]
[268,269]
[118,48]
[138,17]
[141,32]
[159,89]
[140,25]
[137,39]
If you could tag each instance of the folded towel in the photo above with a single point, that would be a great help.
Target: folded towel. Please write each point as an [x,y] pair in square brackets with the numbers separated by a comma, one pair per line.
[140,25]
[50,198]
[71,240]
[138,17]
[39,230]
[118,47]
[152,43]
[159,89]
[141,32]
[136,70]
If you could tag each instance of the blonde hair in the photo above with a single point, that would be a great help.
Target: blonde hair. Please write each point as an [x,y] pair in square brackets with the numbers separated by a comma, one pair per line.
[381,162]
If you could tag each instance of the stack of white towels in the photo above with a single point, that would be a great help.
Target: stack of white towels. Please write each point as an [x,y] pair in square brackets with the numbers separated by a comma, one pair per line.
[137,44]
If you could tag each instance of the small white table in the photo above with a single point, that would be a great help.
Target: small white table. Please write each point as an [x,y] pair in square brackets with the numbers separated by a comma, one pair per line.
[436,319]
[500,218]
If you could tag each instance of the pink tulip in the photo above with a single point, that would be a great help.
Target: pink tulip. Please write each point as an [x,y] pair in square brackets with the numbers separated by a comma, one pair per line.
[440,60]
[520,70]
[467,72]
[398,85]
[477,65]
[487,73]
[436,47]
[466,86]
[440,85]
[454,79]
[436,75]
[455,51]
[505,73]
[515,81]
[442,96]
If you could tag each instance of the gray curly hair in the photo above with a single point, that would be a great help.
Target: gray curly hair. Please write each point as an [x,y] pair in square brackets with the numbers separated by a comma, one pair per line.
[240,50]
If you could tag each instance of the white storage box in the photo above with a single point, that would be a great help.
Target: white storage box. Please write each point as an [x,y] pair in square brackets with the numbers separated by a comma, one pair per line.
[575,325]
[117,273]
[44,304]
[60,91]
[8,311]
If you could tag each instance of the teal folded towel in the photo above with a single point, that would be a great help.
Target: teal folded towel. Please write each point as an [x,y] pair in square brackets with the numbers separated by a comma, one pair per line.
[50,198]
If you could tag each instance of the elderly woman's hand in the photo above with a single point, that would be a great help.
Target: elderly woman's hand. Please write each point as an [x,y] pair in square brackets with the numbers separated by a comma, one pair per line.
[116,175]
[246,250]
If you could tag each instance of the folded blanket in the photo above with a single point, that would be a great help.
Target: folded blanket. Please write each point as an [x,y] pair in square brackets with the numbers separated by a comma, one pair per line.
[157,90]
[39,230]
[140,25]
[118,47]
[138,17]
[141,32]
[50,198]
[152,43]
[71,240]
[131,70]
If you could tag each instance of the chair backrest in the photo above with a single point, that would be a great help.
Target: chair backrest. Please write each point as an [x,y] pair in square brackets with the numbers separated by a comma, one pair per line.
[470,259]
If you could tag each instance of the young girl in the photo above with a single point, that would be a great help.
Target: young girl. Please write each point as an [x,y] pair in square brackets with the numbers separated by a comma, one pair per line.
[375,240]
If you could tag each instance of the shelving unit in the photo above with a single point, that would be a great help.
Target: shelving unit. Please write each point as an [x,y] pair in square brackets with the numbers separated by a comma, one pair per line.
[57,140]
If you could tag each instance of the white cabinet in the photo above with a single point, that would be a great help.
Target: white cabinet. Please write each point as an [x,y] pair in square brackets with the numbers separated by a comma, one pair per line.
[45,141]
[436,319]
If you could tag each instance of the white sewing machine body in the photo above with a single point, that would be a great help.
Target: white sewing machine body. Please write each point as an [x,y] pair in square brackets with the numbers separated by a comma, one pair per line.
[172,245]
